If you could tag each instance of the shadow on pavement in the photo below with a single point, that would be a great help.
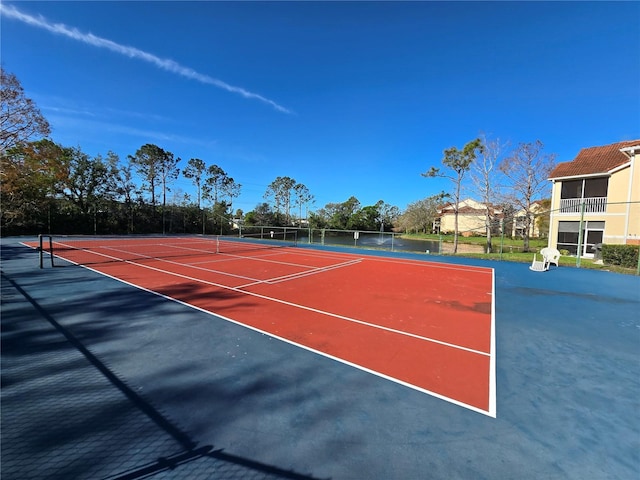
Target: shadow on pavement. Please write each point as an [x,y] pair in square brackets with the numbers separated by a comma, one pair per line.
[60,420]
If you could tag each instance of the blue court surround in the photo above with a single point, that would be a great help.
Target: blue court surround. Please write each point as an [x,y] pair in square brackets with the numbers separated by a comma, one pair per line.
[102,380]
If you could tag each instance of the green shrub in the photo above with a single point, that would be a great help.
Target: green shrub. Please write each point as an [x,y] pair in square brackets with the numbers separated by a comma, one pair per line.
[623,255]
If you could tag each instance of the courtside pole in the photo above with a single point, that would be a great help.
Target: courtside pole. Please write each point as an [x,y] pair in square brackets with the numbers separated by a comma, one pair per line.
[41,249]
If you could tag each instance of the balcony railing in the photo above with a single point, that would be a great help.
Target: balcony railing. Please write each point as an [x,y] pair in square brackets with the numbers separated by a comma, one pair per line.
[591,205]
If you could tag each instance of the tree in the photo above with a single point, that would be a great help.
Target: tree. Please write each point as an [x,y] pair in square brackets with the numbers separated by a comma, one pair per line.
[302,198]
[231,189]
[88,180]
[146,161]
[261,215]
[419,216]
[317,219]
[20,119]
[89,184]
[483,177]
[527,169]
[458,162]
[214,183]
[127,191]
[156,165]
[195,171]
[281,190]
[31,173]
[388,214]
[366,218]
[338,215]
[169,171]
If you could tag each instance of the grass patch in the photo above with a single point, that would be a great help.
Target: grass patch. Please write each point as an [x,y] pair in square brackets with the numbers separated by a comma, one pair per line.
[521,257]
[512,251]
[515,243]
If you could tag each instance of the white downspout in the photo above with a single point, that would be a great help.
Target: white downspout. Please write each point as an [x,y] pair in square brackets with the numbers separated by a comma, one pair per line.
[631,153]
[551,215]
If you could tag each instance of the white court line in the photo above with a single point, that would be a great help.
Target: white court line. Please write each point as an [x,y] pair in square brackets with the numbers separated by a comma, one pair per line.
[172,247]
[264,259]
[492,350]
[403,261]
[254,281]
[294,276]
[296,305]
[194,266]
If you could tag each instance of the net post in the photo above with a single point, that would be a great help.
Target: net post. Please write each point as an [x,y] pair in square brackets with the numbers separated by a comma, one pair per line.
[51,249]
[41,247]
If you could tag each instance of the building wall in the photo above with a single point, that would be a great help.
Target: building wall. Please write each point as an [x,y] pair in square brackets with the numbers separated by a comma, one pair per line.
[534,230]
[633,233]
[622,218]
[466,222]
[616,217]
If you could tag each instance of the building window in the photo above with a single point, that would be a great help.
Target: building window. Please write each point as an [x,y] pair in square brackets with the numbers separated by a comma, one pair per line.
[588,193]
[569,235]
[585,188]
[596,187]
[571,189]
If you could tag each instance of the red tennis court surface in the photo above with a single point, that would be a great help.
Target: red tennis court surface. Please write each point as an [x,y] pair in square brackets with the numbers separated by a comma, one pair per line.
[428,326]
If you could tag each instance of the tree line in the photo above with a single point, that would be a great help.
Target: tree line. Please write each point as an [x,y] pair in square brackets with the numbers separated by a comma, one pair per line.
[47,187]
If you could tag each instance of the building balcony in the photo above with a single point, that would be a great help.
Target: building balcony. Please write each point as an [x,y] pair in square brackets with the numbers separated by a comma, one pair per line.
[591,205]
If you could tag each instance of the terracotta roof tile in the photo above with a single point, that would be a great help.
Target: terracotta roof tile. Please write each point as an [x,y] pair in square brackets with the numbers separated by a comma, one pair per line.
[594,160]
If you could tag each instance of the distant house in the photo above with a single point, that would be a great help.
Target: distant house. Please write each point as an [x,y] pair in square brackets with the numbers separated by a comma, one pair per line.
[471,218]
[596,189]
[519,221]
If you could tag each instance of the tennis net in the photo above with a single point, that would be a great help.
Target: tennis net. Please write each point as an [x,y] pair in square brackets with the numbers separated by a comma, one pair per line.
[257,241]
[87,250]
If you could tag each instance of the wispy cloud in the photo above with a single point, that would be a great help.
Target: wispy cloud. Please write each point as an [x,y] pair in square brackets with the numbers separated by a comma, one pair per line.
[9,11]
[65,105]
[96,130]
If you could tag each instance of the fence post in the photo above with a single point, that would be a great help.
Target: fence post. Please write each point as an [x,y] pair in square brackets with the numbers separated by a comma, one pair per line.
[580,235]
[40,250]
[501,236]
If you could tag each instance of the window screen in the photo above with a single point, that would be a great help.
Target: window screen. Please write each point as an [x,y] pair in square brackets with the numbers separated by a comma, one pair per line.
[596,187]
[572,227]
[571,189]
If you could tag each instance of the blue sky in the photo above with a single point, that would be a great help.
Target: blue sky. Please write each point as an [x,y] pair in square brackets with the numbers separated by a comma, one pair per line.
[348,98]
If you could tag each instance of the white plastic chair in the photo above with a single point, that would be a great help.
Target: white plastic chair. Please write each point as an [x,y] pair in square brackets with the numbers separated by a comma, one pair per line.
[539,265]
[551,255]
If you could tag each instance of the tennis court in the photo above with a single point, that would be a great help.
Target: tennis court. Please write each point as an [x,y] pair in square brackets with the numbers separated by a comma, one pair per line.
[104,379]
[425,325]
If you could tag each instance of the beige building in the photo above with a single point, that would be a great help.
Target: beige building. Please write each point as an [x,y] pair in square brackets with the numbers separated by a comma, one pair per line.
[471,218]
[600,190]
[519,221]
